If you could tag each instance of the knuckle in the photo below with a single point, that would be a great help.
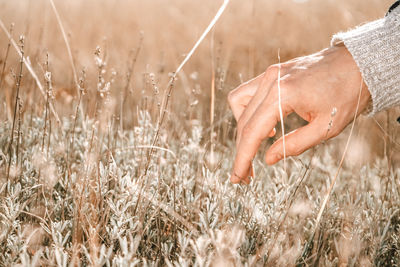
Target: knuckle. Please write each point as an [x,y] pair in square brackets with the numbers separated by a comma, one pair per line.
[231,97]
[284,83]
[272,70]
[285,88]
[286,67]
[234,96]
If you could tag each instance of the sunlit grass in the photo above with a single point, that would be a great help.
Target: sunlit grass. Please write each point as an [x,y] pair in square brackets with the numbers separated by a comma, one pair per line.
[85,190]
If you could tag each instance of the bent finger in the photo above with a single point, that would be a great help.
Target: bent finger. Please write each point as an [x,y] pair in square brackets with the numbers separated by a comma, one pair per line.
[256,130]
[268,82]
[252,106]
[297,141]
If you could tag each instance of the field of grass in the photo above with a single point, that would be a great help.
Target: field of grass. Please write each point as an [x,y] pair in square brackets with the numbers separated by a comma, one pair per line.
[84,182]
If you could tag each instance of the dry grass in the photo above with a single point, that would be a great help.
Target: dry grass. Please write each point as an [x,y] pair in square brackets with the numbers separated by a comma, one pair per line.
[86,190]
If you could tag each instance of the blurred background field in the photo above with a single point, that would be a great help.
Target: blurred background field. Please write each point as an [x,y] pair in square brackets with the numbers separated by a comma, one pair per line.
[90,190]
[245,42]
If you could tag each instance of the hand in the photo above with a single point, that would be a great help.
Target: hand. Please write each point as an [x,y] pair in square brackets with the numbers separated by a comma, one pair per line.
[312,86]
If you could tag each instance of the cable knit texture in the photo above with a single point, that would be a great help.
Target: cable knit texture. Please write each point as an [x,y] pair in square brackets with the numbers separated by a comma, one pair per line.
[375,47]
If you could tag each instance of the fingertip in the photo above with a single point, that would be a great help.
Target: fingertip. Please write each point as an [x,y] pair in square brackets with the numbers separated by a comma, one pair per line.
[234,179]
[271,159]
[246,181]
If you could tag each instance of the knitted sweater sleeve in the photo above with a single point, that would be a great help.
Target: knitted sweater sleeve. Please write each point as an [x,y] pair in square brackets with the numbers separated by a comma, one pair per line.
[375,47]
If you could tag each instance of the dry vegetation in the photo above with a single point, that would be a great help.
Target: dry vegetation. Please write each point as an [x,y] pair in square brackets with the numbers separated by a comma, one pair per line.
[82,183]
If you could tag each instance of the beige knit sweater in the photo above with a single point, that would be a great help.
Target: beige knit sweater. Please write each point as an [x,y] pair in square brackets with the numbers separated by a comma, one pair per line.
[375,47]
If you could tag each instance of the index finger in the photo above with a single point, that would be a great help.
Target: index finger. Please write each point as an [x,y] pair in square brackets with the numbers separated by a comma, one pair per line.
[256,130]
[240,97]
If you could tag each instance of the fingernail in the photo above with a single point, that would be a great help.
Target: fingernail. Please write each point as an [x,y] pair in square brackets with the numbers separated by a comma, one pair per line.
[252,175]
[234,179]
[278,157]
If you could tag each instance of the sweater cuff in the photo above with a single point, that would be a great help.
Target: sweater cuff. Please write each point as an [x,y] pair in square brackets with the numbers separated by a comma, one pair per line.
[375,47]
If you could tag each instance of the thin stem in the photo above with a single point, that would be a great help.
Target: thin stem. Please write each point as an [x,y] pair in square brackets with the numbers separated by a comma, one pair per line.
[170,86]
[308,245]
[280,111]
[129,74]
[47,78]
[212,99]
[16,106]
[30,69]
[71,60]
[6,57]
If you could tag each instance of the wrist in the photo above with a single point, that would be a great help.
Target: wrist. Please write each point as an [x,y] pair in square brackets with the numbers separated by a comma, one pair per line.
[365,105]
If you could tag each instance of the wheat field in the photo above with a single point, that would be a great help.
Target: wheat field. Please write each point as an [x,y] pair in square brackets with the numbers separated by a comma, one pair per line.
[90,176]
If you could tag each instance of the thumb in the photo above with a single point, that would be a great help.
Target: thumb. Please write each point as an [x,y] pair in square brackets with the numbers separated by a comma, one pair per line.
[297,141]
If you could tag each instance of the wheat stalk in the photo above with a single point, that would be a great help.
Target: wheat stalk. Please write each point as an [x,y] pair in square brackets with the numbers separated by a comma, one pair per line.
[168,91]
[30,69]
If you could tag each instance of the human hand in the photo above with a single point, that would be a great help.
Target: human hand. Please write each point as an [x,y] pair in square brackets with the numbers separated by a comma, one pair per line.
[311,86]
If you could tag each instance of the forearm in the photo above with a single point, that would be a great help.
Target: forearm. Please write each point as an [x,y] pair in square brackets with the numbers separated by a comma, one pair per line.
[375,47]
